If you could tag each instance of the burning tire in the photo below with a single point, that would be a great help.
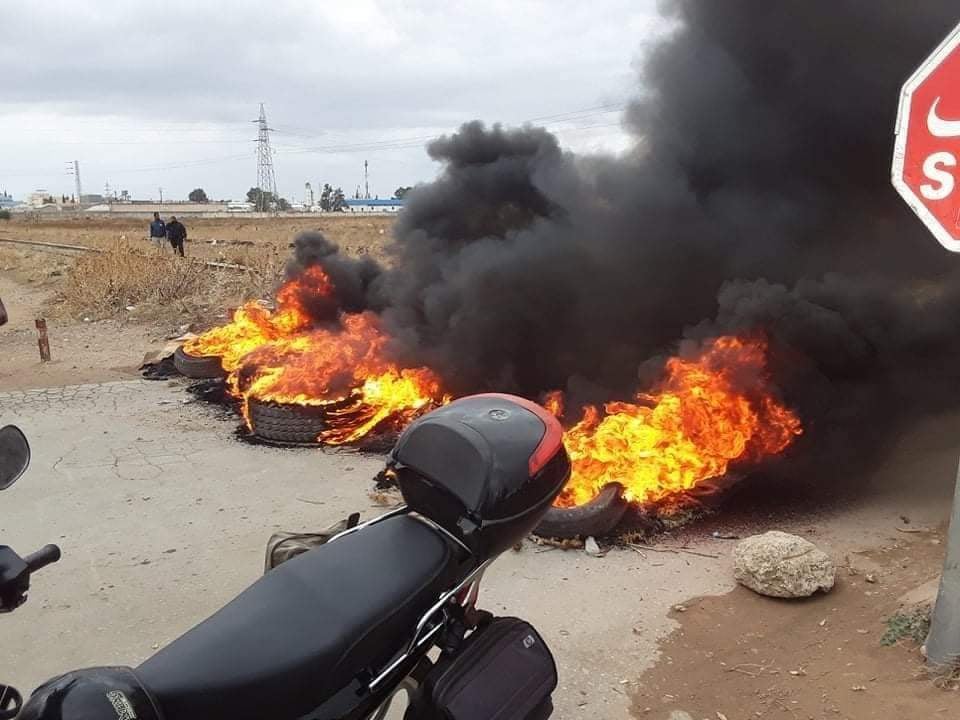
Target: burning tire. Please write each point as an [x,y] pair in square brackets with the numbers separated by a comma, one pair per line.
[287,424]
[198,367]
[597,517]
[712,493]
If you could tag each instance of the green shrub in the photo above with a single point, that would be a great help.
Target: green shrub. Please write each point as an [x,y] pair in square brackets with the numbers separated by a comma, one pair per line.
[913,624]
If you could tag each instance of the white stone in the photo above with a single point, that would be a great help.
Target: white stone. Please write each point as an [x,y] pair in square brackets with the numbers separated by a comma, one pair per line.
[782,565]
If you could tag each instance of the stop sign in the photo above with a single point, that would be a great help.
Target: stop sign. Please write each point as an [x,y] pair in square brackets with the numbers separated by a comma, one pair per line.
[926,156]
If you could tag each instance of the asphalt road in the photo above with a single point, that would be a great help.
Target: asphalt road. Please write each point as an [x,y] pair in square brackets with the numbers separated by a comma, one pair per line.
[162,516]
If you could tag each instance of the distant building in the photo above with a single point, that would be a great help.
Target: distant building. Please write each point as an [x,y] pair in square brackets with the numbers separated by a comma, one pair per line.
[168,208]
[6,201]
[39,198]
[369,205]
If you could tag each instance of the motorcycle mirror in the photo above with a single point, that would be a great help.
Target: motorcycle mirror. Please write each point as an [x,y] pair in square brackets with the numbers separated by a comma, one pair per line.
[14,455]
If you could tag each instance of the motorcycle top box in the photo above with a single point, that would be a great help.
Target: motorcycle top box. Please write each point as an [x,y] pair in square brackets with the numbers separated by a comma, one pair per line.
[485,468]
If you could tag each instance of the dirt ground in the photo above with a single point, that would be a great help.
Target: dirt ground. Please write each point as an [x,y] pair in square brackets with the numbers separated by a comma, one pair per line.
[747,656]
[81,352]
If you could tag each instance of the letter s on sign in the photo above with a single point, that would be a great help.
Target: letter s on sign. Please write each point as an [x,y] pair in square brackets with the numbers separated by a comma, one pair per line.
[942,181]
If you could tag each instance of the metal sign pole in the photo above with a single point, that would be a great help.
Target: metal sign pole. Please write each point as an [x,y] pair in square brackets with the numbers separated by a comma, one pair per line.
[943,642]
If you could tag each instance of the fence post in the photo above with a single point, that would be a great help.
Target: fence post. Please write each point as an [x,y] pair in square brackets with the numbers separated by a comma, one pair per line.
[42,340]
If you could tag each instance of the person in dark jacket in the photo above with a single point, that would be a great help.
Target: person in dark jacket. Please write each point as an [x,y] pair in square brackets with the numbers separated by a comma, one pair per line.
[158,231]
[176,234]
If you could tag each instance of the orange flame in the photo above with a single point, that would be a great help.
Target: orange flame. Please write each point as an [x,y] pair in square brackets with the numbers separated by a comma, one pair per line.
[278,357]
[555,403]
[253,326]
[705,414]
[343,368]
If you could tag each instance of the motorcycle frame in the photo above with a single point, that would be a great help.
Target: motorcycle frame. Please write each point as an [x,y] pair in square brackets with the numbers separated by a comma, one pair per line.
[375,695]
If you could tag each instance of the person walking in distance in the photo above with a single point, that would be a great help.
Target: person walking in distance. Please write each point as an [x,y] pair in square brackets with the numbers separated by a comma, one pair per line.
[158,231]
[176,234]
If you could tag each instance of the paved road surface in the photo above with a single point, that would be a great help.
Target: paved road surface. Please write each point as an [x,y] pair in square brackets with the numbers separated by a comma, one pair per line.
[162,516]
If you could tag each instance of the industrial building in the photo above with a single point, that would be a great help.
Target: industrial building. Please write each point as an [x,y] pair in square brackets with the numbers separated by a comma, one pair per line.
[374,205]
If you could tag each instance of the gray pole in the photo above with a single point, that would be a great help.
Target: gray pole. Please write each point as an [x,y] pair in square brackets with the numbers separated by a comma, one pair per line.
[943,642]
[76,178]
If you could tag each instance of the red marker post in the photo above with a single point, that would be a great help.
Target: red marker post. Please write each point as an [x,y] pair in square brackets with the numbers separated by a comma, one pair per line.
[926,173]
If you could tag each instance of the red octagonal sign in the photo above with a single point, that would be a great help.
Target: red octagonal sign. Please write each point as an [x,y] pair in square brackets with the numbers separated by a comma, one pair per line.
[926,157]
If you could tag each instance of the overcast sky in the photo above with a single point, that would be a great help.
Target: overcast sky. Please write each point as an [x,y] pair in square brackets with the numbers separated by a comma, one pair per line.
[161,94]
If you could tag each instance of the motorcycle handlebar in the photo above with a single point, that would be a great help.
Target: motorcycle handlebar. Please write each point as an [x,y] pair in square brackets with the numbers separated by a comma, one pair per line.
[41,558]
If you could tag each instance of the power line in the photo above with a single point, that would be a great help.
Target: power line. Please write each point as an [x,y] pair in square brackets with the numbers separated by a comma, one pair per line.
[185,164]
[169,166]
[369,146]
[596,110]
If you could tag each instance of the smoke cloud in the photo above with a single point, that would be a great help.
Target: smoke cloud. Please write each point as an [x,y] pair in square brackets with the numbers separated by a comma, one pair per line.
[350,277]
[756,199]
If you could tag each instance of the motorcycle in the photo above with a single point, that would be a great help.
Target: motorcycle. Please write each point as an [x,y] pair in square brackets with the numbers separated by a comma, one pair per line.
[384,608]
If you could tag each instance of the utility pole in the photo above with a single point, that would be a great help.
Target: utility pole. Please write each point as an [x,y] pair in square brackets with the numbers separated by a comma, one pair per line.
[366,180]
[943,642]
[160,190]
[74,169]
[266,181]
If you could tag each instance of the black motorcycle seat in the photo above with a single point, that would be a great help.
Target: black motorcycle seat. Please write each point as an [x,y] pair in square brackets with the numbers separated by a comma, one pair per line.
[306,628]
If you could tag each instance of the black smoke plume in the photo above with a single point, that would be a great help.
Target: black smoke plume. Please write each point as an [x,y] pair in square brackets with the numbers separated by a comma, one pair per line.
[756,198]
[350,278]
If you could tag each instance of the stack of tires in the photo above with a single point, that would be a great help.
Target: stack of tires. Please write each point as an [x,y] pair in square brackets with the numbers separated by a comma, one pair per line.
[287,424]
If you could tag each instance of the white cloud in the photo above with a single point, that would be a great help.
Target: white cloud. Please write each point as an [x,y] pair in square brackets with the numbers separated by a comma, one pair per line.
[145,93]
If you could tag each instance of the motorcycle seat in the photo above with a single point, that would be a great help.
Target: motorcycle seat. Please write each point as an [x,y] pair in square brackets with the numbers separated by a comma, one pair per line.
[307,628]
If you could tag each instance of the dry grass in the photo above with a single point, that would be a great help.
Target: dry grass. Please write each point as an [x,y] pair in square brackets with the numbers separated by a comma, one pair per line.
[265,267]
[157,284]
[109,282]
[9,259]
[212,238]
[36,269]
[946,677]
[132,273]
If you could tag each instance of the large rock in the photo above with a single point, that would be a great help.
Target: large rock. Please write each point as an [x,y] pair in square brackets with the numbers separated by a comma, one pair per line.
[782,565]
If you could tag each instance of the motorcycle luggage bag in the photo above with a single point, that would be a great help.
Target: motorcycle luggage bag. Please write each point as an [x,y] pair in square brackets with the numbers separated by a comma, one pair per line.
[283,546]
[503,671]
